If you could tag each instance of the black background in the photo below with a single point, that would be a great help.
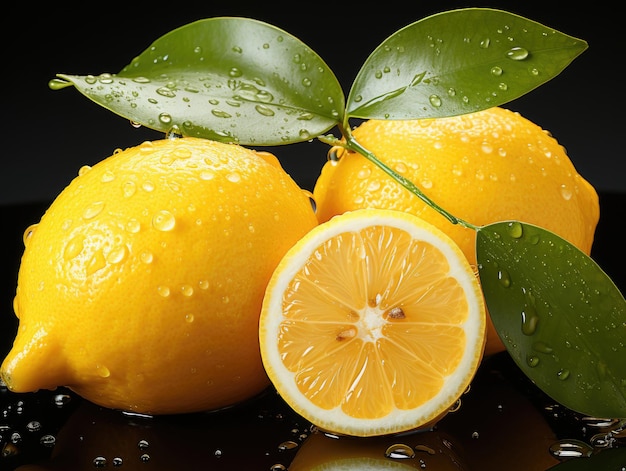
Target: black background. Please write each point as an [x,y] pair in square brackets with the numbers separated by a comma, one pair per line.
[49,134]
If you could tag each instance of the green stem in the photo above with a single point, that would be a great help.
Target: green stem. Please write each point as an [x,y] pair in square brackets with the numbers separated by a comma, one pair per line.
[352,144]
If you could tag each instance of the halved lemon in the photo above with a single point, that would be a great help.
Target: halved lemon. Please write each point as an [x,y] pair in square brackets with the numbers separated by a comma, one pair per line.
[372,324]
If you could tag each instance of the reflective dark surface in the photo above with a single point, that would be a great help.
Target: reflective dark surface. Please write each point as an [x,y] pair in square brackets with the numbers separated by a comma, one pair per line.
[503,423]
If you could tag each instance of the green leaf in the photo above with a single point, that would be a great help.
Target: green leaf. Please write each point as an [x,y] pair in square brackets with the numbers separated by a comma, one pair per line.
[559,315]
[226,79]
[457,62]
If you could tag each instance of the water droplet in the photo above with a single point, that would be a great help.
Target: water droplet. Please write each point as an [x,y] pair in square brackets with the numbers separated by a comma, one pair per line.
[146,257]
[107,177]
[97,262]
[189,318]
[93,210]
[220,113]
[103,371]
[28,233]
[99,462]
[504,278]
[542,347]
[203,284]
[399,451]
[47,440]
[517,53]
[264,110]
[147,186]
[164,221]
[61,400]
[435,100]
[401,168]
[484,44]
[187,290]
[374,185]
[129,188]
[566,193]
[33,426]
[133,226]
[364,173]
[334,154]
[233,177]
[530,319]
[565,449]
[563,374]
[117,461]
[206,175]
[515,229]
[117,254]
[288,445]
[456,406]
[496,70]
[163,291]
[532,361]
[83,170]
[165,118]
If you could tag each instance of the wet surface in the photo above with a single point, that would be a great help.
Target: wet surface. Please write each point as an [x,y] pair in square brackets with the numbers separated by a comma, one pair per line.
[503,421]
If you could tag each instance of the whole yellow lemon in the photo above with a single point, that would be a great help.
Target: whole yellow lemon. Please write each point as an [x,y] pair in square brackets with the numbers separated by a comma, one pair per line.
[141,287]
[482,167]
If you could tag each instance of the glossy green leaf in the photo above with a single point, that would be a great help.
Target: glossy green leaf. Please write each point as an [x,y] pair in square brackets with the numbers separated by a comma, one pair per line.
[559,315]
[226,79]
[456,62]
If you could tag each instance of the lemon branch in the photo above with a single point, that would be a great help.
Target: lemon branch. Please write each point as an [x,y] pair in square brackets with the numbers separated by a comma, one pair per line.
[351,143]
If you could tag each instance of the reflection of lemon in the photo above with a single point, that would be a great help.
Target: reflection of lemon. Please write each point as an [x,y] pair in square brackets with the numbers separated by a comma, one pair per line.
[482,167]
[425,450]
[373,323]
[141,287]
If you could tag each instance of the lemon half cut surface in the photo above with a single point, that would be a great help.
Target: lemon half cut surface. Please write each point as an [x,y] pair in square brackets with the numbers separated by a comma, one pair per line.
[372,324]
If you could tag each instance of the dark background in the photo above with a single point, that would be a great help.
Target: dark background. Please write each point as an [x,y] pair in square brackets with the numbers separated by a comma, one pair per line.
[49,134]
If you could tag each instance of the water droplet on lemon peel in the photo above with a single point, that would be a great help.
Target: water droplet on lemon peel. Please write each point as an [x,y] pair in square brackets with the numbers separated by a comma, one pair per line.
[103,317]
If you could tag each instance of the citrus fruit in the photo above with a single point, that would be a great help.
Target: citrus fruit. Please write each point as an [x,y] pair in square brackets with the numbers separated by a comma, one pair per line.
[482,167]
[372,324]
[141,286]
